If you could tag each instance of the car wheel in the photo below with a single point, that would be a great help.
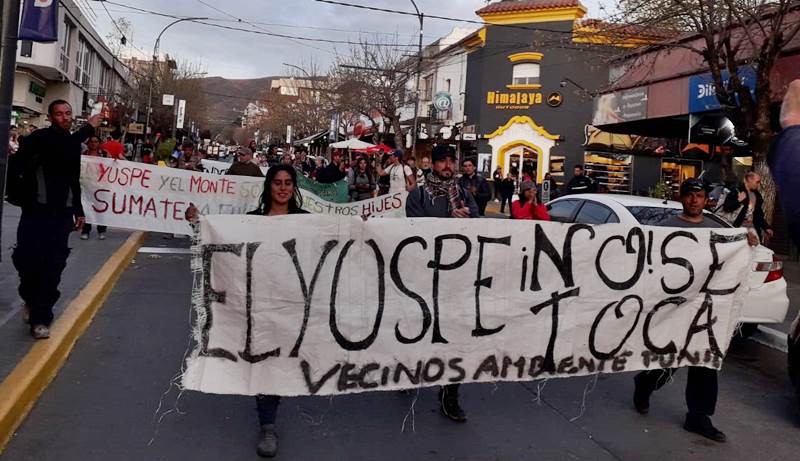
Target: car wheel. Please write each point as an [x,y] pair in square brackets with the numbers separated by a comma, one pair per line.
[746,330]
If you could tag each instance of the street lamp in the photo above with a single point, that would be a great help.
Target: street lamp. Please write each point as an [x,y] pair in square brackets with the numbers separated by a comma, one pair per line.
[584,91]
[419,72]
[153,67]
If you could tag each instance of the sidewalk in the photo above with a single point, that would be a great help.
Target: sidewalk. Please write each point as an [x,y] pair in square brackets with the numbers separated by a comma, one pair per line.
[85,260]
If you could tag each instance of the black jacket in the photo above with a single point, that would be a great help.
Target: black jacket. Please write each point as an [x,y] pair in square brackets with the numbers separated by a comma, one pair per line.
[482,191]
[330,174]
[53,156]
[784,161]
[579,185]
[507,187]
[732,203]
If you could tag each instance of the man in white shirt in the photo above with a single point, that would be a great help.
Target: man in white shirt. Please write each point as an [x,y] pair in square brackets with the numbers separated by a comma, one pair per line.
[400,176]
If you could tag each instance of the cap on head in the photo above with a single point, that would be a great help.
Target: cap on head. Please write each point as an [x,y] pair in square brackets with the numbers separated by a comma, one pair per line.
[441,152]
[526,185]
[692,185]
[398,153]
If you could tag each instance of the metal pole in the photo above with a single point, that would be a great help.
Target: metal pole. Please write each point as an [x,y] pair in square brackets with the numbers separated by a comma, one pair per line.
[8,67]
[415,134]
[153,68]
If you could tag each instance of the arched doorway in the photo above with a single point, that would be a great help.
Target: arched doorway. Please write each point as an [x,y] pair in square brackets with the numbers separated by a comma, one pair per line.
[520,157]
[521,143]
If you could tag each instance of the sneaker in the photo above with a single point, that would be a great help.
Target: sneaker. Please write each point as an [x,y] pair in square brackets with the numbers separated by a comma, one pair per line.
[267,441]
[84,236]
[450,406]
[703,426]
[26,314]
[102,236]
[40,332]
[641,398]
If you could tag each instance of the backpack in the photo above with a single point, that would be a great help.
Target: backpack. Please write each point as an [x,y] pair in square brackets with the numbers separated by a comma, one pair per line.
[20,177]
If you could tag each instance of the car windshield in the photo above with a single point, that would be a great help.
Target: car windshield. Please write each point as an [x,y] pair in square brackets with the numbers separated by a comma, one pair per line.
[656,216]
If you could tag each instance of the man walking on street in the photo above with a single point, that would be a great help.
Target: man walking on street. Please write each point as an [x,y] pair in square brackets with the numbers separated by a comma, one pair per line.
[476,185]
[784,160]
[244,165]
[443,197]
[580,183]
[745,205]
[701,385]
[333,172]
[46,185]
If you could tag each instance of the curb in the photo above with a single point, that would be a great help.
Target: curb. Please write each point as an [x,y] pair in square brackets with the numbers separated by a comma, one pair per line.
[22,388]
[771,338]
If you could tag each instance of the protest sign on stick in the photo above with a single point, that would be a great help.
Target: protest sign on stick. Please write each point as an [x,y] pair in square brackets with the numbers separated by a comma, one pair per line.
[146,197]
[321,305]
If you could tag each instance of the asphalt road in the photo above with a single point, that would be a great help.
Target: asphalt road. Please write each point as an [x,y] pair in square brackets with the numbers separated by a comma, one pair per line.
[110,396]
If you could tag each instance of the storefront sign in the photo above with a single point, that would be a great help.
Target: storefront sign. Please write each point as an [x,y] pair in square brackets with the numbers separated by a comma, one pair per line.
[136,128]
[168,100]
[703,91]
[442,102]
[555,100]
[513,101]
[39,21]
[623,106]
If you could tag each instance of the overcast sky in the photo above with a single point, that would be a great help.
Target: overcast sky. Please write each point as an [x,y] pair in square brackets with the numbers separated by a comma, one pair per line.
[235,54]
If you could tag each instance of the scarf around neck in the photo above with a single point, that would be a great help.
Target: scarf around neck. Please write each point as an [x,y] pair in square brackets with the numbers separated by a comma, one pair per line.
[437,187]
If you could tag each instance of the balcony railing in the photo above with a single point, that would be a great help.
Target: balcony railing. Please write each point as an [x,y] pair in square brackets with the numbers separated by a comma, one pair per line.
[64,63]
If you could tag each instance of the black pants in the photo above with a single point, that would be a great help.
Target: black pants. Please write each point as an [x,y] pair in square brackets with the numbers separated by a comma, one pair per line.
[503,204]
[40,257]
[87,229]
[701,388]
[267,407]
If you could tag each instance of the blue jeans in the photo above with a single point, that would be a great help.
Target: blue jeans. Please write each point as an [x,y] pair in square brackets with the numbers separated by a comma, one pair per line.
[267,406]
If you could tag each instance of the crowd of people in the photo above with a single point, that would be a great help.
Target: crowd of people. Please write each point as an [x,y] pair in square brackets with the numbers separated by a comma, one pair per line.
[44,180]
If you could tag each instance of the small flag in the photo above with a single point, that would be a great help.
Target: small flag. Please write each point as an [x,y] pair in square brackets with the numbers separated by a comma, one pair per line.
[39,21]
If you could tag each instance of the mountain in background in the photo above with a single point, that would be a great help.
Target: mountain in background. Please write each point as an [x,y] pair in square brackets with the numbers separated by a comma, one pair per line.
[226,98]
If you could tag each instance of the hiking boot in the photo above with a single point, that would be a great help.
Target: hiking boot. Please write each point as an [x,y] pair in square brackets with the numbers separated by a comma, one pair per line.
[450,406]
[84,236]
[267,441]
[703,426]
[641,398]
[26,314]
[102,236]
[40,332]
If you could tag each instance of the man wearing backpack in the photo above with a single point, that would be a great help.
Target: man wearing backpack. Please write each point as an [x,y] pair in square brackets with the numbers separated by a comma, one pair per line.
[45,182]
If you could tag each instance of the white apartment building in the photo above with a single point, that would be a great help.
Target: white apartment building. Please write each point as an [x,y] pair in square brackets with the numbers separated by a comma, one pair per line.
[78,68]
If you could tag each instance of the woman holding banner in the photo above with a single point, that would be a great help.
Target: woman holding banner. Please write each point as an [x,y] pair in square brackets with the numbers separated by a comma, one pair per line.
[281,197]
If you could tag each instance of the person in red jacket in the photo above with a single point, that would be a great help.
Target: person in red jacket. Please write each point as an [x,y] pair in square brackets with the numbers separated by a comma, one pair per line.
[528,206]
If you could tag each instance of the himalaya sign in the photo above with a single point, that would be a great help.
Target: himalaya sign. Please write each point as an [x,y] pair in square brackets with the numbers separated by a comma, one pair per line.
[703,90]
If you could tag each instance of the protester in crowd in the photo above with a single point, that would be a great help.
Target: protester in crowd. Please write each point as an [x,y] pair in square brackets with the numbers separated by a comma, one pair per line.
[744,207]
[507,186]
[416,173]
[579,184]
[305,167]
[701,385]
[784,160]
[318,165]
[286,159]
[93,149]
[361,181]
[400,176]
[426,166]
[44,180]
[332,172]
[13,140]
[528,206]
[476,185]
[244,165]
[497,178]
[443,197]
[281,197]
[383,180]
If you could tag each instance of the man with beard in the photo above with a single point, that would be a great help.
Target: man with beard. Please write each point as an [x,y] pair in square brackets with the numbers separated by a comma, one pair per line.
[443,197]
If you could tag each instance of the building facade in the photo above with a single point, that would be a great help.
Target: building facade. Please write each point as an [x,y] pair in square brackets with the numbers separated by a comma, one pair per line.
[79,68]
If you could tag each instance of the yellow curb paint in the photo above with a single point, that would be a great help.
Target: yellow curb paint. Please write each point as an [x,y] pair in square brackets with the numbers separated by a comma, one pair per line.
[33,373]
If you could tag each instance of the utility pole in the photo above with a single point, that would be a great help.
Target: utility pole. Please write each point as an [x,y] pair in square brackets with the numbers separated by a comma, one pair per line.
[414,136]
[8,67]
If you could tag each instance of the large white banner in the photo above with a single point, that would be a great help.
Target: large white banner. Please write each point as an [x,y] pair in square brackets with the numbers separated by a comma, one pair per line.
[139,196]
[318,305]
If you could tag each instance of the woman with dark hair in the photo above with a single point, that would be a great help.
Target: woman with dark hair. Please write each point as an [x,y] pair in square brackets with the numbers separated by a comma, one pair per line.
[528,206]
[360,181]
[281,197]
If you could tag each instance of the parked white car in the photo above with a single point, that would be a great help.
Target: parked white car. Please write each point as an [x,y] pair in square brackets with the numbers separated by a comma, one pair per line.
[767,301]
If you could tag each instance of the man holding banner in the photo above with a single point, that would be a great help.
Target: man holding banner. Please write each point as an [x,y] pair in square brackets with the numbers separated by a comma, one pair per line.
[443,197]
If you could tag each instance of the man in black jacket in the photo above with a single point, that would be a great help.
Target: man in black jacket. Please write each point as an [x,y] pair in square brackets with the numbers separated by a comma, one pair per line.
[331,173]
[747,205]
[49,165]
[476,185]
[580,183]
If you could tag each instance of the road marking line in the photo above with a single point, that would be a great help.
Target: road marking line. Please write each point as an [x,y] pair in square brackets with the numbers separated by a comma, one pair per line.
[165,251]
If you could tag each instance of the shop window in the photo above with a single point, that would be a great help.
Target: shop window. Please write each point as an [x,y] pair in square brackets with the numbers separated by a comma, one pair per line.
[675,171]
[612,171]
[557,169]
[526,74]
[26,48]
